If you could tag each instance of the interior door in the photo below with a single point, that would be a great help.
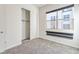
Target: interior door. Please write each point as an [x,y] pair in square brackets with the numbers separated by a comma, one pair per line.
[25,24]
[2,28]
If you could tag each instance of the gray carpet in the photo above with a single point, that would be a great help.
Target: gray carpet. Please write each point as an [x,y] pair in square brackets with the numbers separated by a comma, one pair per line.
[41,46]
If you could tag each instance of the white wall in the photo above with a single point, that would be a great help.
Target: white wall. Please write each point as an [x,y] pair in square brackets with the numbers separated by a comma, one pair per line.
[42,25]
[13,17]
[13,25]
[76,25]
[37,24]
[2,28]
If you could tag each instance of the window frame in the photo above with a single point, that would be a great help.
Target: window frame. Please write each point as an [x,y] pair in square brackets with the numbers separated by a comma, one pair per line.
[57,13]
[56,10]
[60,8]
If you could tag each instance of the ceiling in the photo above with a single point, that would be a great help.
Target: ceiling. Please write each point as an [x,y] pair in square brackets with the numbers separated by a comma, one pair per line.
[39,5]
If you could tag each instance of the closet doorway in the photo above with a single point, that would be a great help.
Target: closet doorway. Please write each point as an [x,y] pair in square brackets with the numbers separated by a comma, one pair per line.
[25,24]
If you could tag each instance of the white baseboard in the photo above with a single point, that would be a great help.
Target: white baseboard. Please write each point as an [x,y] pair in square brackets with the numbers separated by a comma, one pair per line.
[1,51]
[72,45]
[14,45]
[11,46]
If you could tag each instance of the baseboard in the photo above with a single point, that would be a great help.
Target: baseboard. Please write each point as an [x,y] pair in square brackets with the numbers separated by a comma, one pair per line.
[74,46]
[14,45]
[37,38]
[2,51]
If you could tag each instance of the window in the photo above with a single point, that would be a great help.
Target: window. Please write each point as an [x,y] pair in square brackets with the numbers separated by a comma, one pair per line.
[61,19]
[66,17]
[66,26]
[51,19]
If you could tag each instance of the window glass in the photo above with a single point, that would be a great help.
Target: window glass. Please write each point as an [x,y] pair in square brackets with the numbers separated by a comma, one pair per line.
[51,19]
[60,15]
[62,19]
[66,26]
[49,26]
